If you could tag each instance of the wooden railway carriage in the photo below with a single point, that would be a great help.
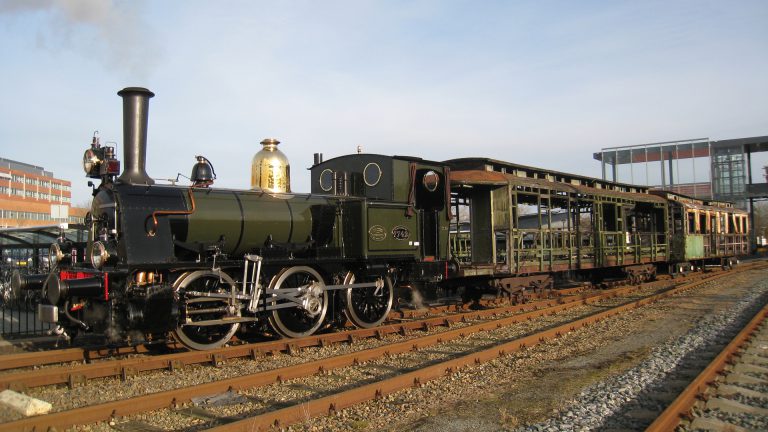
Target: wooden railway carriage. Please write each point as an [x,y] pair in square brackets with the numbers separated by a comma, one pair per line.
[579,224]
[705,232]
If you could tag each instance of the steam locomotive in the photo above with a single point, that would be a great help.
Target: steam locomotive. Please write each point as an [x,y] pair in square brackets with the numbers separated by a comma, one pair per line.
[204,263]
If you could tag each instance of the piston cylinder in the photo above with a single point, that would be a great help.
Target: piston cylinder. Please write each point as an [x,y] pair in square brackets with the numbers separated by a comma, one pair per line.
[20,282]
[57,289]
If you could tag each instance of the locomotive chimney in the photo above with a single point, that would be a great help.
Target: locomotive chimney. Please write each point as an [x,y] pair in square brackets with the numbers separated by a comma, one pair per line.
[135,116]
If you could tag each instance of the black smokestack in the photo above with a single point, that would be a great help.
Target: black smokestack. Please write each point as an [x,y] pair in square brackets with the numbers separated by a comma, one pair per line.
[135,116]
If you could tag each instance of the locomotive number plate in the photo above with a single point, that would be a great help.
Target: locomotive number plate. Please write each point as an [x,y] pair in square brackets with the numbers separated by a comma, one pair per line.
[401,233]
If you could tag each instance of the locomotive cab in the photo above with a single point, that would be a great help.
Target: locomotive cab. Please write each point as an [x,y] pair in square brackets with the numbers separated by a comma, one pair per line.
[402,206]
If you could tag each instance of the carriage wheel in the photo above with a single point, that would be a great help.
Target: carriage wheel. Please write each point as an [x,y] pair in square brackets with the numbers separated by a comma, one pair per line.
[368,307]
[299,321]
[208,336]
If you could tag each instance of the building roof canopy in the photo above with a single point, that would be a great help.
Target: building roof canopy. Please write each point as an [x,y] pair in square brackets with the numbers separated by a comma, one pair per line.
[40,236]
[671,150]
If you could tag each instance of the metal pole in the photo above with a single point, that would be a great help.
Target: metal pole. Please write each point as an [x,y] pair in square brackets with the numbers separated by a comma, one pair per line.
[663,173]
[602,163]
[693,166]
[711,171]
[647,179]
[671,170]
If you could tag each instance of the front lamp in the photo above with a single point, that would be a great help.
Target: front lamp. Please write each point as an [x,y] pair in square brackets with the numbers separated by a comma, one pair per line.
[99,255]
[91,162]
[55,255]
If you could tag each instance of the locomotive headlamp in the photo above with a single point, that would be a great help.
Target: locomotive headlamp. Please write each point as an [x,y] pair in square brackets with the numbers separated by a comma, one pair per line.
[91,161]
[55,255]
[99,254]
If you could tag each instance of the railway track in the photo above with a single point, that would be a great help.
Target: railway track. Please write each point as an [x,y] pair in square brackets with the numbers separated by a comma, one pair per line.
[43,356]
[79,374]
[89,354]
[731,393]
[322,404]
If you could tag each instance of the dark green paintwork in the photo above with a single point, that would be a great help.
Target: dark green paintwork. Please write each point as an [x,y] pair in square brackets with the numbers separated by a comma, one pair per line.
[285,217]
[384,224]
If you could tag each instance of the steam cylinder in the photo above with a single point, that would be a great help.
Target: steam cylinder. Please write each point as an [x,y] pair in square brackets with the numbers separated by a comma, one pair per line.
[270,170]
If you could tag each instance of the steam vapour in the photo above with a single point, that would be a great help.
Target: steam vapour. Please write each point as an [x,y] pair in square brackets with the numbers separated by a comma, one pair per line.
[112,31]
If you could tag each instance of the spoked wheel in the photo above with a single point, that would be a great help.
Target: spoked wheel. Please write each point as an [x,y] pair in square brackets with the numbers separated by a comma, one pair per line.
[368,307]
[205,337]
[305,285]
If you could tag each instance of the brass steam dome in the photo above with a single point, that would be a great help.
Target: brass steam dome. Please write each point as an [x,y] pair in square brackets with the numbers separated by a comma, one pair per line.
[270,170]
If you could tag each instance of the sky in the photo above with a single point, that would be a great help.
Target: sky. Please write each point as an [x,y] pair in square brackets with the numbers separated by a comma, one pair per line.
[541,83]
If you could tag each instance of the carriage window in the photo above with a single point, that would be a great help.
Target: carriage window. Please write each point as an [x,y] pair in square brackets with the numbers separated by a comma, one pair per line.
[372,174]
[431,180]
[691,223]
[326,180]
[609,217]
[430,190]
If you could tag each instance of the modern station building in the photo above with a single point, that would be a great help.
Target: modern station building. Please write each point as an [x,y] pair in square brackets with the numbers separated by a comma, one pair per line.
[31,196]
[35,209]
[725,170]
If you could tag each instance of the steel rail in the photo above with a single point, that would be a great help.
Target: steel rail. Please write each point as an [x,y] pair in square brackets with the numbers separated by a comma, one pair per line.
[334,403]
[680,408]
[109,410]
[456,307]
[86,355]
[40,358]
[79,374]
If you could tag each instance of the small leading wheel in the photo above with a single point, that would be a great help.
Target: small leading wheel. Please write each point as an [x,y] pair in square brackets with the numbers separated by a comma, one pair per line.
[368,307]
[305,285]
[205,337]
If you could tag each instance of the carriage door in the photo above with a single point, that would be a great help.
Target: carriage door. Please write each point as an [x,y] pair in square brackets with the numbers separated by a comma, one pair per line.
[502,216]
[429,187]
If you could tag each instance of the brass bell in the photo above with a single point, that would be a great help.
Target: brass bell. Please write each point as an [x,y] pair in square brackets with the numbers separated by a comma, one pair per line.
[202,172]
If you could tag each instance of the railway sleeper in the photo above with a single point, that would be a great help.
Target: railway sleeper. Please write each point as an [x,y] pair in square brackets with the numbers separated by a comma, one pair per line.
[722,404]
[76,380]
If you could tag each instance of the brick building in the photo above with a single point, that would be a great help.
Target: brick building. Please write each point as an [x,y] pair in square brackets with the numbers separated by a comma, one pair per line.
[32,196]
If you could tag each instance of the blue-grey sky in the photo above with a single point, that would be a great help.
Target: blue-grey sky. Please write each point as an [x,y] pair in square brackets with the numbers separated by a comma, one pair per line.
[543,83]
